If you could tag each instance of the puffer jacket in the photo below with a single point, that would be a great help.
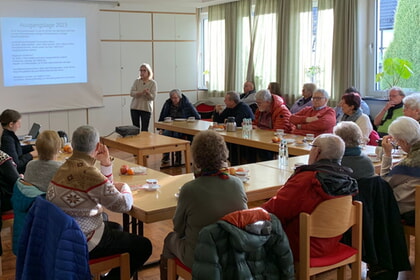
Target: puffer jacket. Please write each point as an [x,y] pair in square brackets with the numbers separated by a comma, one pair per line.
[246,244]
[280,115]
[51,246]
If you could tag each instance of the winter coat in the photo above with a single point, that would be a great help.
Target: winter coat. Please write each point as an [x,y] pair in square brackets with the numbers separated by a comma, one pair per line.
[185,109]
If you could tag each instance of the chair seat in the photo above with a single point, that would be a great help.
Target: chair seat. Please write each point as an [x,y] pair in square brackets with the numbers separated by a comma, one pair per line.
[341,253]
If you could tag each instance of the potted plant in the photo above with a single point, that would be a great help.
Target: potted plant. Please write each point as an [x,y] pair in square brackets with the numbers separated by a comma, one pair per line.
[395,69]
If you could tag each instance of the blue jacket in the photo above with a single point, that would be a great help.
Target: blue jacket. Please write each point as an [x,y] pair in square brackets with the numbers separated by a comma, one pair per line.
[185,109]
[51,246]
[23,196]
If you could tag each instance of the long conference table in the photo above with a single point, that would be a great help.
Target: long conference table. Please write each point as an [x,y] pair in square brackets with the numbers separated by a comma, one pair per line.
[260,138]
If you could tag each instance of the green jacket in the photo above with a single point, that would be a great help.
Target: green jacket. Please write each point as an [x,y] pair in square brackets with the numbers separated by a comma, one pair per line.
[225,251]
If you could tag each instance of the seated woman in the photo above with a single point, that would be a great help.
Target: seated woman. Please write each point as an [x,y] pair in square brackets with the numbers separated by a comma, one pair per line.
[353,157]
[404,132]
[350,104]
[203,201]
[411,106]
[177,106]
[10,144]
[40,172]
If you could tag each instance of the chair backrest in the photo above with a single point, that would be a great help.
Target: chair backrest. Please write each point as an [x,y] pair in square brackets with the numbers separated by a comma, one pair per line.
[331,218]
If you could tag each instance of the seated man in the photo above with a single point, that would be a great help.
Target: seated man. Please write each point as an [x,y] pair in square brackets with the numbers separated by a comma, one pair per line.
[177,106]
[248,97]
[234,108]
[317,119]
[391,111]
[271,114]
[306,99]
[81,191]
[322,179]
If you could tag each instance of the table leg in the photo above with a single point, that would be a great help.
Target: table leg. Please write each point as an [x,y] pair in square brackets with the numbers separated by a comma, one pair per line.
[187,154]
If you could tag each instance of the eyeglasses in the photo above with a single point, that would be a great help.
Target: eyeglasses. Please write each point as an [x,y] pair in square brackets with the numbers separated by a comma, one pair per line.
[317,98]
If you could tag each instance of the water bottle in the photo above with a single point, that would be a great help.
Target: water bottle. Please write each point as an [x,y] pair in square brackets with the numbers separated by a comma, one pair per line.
[283,154]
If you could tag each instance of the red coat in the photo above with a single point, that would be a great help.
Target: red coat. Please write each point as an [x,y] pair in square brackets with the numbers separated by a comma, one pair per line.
[280,115]
[302,193]
[325,123]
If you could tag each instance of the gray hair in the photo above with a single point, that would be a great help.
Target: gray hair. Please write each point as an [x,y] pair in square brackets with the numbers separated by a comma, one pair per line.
[398,89]
[85,138]
[331,146]
[264,95]
[310,87]
[405,128]
[412,101]
[233,96]
[175,91]
[323,91]
[350,132]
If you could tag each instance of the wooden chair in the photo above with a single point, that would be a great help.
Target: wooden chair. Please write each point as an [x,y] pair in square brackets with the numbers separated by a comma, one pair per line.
[7,219]
[177,268]
[101,265]
[415,231]
[331,218]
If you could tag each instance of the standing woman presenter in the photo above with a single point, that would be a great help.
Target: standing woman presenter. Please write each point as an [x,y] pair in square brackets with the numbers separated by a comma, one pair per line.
[143,92]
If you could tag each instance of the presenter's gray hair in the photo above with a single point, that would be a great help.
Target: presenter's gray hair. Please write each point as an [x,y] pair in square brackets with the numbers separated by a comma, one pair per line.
[85,138]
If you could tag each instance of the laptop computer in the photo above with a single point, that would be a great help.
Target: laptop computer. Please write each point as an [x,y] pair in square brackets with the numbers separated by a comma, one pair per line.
[34,131]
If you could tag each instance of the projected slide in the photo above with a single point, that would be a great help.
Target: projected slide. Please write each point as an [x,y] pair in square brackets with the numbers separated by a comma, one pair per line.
[43,51]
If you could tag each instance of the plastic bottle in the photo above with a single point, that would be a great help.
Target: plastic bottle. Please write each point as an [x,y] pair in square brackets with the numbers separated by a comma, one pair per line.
[283,154]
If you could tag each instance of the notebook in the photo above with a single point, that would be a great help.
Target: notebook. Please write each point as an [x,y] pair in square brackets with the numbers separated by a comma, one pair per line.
[34,131]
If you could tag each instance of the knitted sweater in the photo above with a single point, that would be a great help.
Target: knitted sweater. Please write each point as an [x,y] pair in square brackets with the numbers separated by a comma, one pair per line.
[81,191]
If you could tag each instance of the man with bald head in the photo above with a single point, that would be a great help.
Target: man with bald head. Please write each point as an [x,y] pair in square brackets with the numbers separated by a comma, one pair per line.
[248,97]
[322,179]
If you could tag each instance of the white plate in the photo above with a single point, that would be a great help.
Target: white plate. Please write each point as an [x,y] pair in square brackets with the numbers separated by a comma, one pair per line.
[167,121]
[190,120]
[147,188]
[180,120]
[219,129]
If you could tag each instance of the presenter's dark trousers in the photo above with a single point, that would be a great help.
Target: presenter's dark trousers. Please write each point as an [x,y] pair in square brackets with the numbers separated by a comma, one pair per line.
[114,241]
[143,116]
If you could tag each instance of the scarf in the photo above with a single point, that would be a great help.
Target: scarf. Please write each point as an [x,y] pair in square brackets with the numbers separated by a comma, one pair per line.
[409,166]
[353,151]
[4,157]
[222,173]
[353,117]
[391,112]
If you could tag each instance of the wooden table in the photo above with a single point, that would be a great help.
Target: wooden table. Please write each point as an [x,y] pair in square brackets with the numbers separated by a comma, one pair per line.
[147,143]
[260,138]
[160,205]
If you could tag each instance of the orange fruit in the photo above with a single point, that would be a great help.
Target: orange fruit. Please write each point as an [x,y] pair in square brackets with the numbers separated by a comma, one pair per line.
[68,149]
[232,171]
[275,139]
[130,171]
[240,169]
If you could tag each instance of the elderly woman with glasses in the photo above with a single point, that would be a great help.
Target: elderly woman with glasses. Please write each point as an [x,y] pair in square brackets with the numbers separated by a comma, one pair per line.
[404,132]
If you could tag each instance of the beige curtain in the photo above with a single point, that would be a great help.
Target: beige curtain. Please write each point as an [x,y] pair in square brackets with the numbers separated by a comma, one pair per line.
[344,52]
[294,45]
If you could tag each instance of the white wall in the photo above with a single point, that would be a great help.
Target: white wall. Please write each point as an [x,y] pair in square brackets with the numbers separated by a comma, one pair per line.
[130,35]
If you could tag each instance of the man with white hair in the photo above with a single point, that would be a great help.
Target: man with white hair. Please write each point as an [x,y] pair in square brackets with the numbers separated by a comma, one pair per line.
[391,111]
[317,119]
[81,190]
[322,179]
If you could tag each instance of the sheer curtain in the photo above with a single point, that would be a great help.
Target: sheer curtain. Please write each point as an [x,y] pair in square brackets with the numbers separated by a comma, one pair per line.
[216,53]
[262,64]
[324,43]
